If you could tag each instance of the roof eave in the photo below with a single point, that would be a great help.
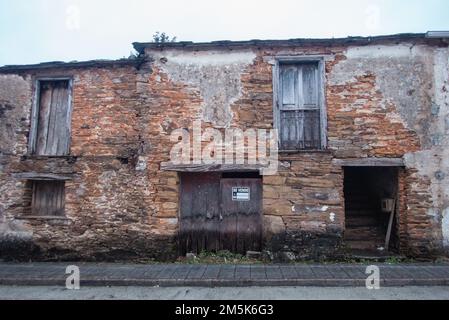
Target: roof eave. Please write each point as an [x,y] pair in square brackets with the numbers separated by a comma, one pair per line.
[141,46]
[73,64]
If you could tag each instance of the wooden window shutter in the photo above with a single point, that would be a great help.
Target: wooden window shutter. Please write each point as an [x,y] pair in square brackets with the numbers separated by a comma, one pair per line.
[299,107]
[53,118]
[48,198]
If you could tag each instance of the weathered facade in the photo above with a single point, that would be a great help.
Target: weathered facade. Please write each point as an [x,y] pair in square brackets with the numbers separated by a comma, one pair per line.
[382,131]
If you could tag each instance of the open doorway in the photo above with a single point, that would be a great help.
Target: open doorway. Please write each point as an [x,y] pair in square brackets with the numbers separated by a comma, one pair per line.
[367,190]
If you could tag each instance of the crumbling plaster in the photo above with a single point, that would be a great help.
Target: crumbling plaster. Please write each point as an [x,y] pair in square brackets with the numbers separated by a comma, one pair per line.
[15,101]
[445,227]
[414,78]
[15,93]
[216,75]
[403,76]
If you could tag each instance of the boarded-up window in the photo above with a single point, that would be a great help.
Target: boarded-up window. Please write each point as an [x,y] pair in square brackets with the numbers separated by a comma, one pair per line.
[51,135]
[48,198]
[299,106]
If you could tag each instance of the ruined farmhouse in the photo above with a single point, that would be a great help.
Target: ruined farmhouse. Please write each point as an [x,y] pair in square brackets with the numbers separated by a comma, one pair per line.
[361,127]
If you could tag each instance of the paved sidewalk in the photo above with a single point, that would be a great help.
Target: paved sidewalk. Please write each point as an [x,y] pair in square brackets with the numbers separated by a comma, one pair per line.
[323,275]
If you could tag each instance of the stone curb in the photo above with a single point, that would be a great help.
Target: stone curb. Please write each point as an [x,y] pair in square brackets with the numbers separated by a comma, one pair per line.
[224,282]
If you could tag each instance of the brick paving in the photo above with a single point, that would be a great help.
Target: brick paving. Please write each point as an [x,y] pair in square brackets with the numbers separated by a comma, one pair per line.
[114,274]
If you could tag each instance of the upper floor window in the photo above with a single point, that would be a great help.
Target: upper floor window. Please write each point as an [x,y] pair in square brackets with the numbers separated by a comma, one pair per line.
[50,128]
[300,114]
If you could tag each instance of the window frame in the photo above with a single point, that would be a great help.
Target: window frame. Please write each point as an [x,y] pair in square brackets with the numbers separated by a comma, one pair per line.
[32,141]
[278,61]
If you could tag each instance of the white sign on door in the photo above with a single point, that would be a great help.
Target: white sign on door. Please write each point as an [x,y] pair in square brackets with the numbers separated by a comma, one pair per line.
[240,194]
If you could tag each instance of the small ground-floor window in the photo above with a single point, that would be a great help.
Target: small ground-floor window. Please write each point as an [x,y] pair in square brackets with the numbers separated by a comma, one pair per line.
[48,198]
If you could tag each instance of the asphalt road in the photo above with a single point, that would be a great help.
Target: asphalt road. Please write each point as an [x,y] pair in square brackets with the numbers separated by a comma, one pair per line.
[230,293]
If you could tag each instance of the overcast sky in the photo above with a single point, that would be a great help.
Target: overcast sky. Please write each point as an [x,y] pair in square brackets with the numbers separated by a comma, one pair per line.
[34,31]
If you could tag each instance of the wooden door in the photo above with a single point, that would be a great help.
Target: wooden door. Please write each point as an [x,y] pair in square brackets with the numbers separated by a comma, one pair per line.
[200,212]
[241,217]
[220,214]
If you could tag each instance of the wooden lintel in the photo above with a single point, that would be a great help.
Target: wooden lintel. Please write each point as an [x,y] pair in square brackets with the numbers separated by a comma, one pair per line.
[168,166]
[40,176]
[370,162]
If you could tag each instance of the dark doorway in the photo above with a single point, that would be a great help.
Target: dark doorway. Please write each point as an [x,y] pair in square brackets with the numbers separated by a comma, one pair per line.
[220,212]
[366,222]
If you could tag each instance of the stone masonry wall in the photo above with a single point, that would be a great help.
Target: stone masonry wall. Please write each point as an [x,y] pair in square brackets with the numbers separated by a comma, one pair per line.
[386,100]
[373,110]
[109,213]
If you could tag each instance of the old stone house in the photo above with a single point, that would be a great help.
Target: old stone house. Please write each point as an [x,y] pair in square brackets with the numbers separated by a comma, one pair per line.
[363,123]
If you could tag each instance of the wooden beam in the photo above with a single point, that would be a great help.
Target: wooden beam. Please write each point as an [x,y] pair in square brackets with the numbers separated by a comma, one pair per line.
[168,166]
[390,225]
[40,176]
[370,162]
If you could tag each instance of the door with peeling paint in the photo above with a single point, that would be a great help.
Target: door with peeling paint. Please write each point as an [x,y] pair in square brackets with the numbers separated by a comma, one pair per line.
[220,213]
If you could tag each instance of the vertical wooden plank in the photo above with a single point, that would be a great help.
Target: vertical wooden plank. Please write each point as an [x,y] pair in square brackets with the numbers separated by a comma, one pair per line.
[51,122]
[228,222]
[285,130]
[276,101]
[199,212]
[310,86]
[68,118]
[57,198]
[307,130]
[249,223]
[36,210]
[51,195]
[47,193]
[310,98]
[185,204]
[290,128]
[43,195]
[54,120]
[38,199]
[311,129]
[46,92]
[293,130]
[62,198]
[316,130]
[242,220]
[289,83]
[300,122]
[390,225]
[62,127]
[33,199]
[299,90]
[34,119]
[322,103]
